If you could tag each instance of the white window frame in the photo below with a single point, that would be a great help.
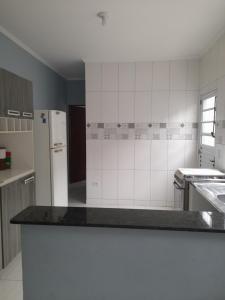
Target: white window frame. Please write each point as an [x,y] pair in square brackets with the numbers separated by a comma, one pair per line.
[206,149]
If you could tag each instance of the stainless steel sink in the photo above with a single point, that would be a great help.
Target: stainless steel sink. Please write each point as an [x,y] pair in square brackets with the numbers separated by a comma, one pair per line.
[221,197]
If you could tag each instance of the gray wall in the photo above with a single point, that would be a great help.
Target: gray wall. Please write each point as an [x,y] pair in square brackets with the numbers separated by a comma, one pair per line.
[102,263]
[75,92]
[49,88]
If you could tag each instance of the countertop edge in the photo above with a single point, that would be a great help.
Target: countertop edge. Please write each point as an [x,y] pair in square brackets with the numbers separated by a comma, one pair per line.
[122,218]
[161,228]
[18,176]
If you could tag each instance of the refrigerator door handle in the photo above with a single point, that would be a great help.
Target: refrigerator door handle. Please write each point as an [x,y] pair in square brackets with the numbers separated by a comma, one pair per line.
[59,150]
[58,144]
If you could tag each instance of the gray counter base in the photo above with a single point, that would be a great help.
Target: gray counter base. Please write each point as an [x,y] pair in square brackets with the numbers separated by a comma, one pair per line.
[77,263]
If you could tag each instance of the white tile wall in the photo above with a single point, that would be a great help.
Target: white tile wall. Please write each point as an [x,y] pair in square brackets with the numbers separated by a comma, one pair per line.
[111,203]
[109,154]
[220,101]
[142,154]
[159,186]
[110,77]
[177,106]
[178,78]
[93,76]
[126,184]
[142,185]
[94,184]
[193,75]
[159,155]
[126,107]
[176,154]
[144,74]
[109,184]
[124,173]
[160,106]
[190,154]
[126,76]
[93,106]
[220,157]
[142,107]
[161,76]
[110,107]
[221,57]
[170,189]
[94,154]
[191,106]
[212,72]
[125,155]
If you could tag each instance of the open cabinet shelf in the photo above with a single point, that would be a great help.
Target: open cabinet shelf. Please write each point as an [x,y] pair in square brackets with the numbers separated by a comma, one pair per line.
[15,125]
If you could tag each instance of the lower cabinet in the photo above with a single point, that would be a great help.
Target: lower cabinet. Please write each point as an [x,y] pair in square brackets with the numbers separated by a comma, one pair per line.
[15,197]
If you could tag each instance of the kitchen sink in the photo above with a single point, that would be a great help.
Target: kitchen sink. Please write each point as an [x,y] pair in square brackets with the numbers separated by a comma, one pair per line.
[221,197]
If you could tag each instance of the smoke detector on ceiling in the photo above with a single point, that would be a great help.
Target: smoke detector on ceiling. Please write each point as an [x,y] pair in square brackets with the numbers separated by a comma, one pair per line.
[103,15]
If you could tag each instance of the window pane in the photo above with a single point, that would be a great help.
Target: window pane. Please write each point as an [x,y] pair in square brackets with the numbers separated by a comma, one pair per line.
[207,127]
[208,115]
[209,103]
[208,141]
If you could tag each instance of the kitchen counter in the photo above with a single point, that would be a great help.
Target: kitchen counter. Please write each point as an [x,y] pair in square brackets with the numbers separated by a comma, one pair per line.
[122,218]
[10,175]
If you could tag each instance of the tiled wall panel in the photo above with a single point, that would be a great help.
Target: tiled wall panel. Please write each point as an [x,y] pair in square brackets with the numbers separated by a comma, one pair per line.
[212,77]
[141,126]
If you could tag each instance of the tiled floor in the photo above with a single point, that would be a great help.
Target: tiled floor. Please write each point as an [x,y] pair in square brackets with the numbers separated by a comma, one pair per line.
[11,281]
[77,194]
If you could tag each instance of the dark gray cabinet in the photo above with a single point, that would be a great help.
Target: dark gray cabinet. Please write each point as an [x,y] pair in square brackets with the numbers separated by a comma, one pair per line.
[15,197]
[2,100]
[16,95]
[27,102]
[11,205]
[27,191]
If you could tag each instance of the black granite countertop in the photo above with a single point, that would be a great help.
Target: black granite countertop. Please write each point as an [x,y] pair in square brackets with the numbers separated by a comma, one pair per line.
[122,218]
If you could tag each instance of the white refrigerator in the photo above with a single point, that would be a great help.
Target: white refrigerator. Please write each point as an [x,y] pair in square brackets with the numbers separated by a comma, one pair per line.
[50,155]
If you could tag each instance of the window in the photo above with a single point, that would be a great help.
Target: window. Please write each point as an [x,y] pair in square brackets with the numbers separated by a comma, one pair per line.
[208,118]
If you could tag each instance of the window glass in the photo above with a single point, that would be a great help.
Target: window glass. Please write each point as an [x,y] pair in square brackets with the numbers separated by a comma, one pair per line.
[208,115]
[207,128]
[209,103]
[208,140]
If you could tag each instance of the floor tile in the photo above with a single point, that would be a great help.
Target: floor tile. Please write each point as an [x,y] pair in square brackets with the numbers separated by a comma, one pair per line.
[13,271]
[11,290]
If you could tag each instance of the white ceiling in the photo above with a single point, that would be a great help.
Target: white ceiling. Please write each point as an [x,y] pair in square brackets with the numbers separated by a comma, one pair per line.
[65,32]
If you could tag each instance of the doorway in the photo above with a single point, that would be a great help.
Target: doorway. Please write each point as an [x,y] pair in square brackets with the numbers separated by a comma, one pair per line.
[77,155]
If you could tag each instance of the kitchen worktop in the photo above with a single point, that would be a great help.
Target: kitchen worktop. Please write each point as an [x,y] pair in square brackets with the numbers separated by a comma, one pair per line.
[122,218]
[10,175]
[200,172]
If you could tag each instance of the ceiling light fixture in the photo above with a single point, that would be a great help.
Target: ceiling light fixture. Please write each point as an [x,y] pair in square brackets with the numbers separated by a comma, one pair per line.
[103,16]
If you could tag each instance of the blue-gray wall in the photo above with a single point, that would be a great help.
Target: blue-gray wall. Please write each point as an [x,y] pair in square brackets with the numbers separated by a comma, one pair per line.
[49,89]
[117,263]
[75,92]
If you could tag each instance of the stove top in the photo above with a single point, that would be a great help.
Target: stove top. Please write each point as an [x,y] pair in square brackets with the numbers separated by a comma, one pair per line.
[183,173]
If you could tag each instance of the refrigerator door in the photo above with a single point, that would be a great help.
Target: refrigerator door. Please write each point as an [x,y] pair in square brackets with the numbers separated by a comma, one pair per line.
[57,123]
[59,176]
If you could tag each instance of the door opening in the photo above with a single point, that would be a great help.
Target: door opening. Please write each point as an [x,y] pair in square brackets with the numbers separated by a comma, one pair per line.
[77,155]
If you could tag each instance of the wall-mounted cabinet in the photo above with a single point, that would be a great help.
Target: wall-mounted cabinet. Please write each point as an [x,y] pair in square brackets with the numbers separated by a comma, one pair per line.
[15,197]
[16,96]
[15,125]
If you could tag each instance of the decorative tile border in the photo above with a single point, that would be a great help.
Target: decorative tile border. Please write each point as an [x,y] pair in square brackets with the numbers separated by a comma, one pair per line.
[142,131]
